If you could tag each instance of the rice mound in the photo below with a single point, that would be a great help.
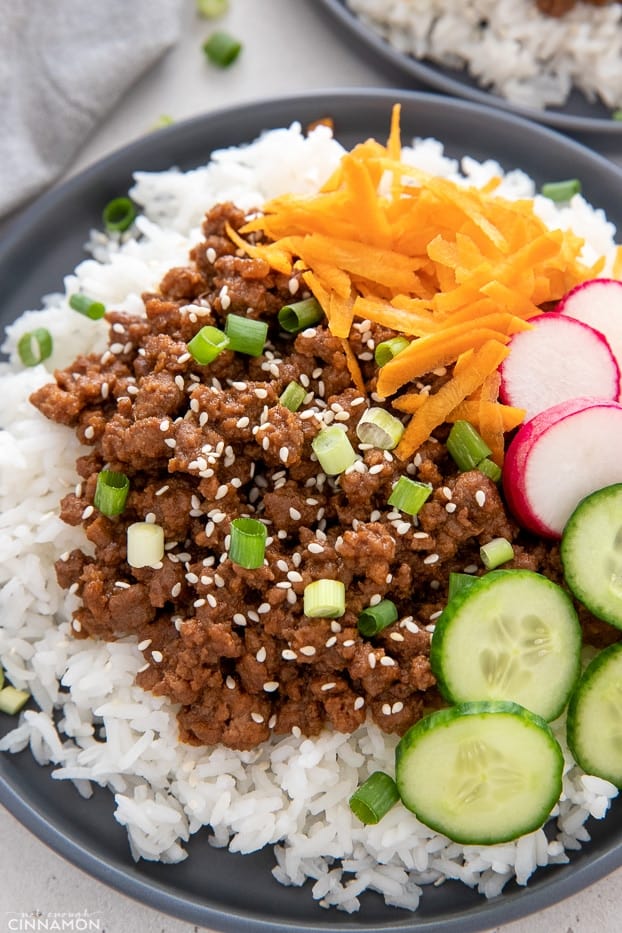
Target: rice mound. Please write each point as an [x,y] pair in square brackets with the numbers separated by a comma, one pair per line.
[95,725]
[509,46]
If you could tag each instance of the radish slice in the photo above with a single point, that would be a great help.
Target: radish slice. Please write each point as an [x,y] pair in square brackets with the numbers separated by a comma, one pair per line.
[559,358]
[598,303]
[558,458]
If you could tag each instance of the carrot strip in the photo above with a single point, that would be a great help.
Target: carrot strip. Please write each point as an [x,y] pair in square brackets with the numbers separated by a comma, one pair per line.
[353,366]
[429,416]
[490,420]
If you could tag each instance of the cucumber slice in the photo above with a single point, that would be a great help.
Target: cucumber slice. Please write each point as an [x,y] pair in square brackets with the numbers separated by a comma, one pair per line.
[480,773]
[594,724]
[591,553]
[510,635]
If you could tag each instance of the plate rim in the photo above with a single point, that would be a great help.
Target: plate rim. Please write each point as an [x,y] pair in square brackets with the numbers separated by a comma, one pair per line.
[430,74]
[149,892]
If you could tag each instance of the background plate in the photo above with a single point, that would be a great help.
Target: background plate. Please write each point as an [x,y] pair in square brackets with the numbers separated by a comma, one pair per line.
[578,114]
[213,887]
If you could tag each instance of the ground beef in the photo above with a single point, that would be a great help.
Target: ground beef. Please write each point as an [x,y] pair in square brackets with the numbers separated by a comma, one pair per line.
[203,445]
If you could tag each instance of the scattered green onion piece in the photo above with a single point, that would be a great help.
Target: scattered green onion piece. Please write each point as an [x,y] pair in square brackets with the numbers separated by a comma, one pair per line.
[247,546]
[12,700]
[292,396]
[111,492]
[94,310]
[118,214]
[145,544]
[466,446]
[459,582]
[560,191]
[324,599]
[245,334]
[211,9]
[388,349]
[490,469]
[380,428]
[374,619]
[35,346]
[207,344]
[617,115]
[374,798]
[408,495]
[222,49]
[165,119]
[496,552]
[333,450]
[300,315]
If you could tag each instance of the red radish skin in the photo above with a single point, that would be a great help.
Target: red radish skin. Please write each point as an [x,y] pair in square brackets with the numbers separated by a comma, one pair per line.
[559,358]
[598,303]
[559,457]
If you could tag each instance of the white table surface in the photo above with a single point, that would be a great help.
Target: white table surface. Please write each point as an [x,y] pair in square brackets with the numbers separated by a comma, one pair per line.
[289,46]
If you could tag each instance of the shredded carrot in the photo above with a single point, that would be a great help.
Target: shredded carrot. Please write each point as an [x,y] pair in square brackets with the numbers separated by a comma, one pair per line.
[484,361]
[457,269]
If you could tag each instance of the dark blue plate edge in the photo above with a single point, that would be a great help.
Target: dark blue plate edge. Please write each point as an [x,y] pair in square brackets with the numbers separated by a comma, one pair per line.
[282,111]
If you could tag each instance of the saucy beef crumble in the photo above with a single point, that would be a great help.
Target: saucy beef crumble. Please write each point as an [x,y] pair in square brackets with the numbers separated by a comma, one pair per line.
[203,445]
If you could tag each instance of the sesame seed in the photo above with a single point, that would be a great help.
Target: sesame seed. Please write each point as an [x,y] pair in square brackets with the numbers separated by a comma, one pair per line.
[198,603]
[162,490]
[375,599]
[470,568]
[210,254]
[374,470]
[451,507]
[314,548]
[170,442]
[335,626]
[176,590]
[328,686]
[371,659]
[203,419]
[157,656]
[179,382]
[257,717]
[296,732]
[221,492]
[420,534]
[271,685]
[88,512]
[184,356]
[239,619]
[293,285]
[294,577]
[150,518]
[386,709]
[89,432]
[402,528]
[143,645]
[225,302]
[288,655]
[359,703]
[386,661]
[308,651]
[480,496]
[396,636]
[283,585]
[230,682]
[430,628]
[243,422]
[348,643]
[431,559]
[397,707]
[76,625]
[291,597]
[213,602]
[261,655]
[294,514]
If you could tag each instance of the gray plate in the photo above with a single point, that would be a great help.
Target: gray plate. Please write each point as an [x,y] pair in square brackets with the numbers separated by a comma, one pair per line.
[213,887]
[577,115]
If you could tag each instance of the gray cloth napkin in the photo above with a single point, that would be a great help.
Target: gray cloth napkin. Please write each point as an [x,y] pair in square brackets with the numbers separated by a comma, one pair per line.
[63,65]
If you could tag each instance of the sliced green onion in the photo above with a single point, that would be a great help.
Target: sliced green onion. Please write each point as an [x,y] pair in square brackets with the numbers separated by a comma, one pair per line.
[248,542]
[560,191]
[165,119]
[388,349]
[490,469]
[380,428]
[374,798]
[466,446]
[324,599]
[300,315]
[374,619]
[111,492]
[333,450]
[207,344]
[616,115]
[459,582]
[12,700]
[145,544]
[211,9]
[222,49]
[292,396]
[94,310]
[408,495]
[118,214]
[245,334]
[496,552]
[35,346]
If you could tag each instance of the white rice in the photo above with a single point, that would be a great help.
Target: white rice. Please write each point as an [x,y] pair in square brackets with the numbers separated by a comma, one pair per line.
[292,792]
[509,46]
